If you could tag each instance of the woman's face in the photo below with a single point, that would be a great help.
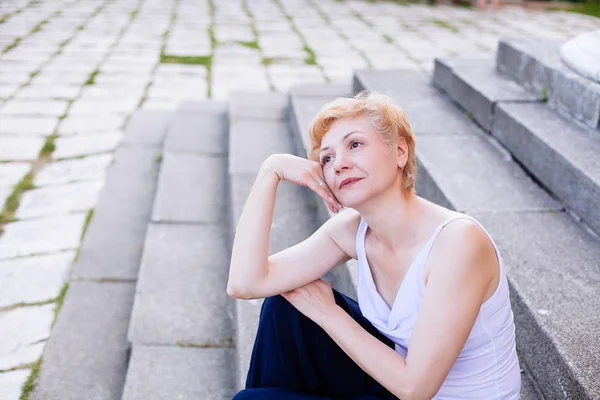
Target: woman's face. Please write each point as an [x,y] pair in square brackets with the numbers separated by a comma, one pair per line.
[353,149]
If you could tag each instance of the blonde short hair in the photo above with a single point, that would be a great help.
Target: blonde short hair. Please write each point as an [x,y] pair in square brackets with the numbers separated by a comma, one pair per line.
[387,118]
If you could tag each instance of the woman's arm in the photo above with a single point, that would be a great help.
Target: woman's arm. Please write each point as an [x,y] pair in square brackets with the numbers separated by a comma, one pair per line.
[252,273]
[455,291]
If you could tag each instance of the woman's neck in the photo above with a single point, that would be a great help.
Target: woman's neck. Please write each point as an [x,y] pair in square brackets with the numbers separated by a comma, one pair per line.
[394,217]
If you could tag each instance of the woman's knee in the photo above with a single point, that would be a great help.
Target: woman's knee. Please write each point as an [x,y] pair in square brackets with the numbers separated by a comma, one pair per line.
[276,307]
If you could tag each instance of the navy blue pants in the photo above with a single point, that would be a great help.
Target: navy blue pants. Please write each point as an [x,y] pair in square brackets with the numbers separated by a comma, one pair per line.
[295,359]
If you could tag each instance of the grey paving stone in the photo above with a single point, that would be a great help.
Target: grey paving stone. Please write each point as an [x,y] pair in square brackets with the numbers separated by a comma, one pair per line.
[82,145]
[48,91]
[147,128]
[191,188]
[79,125]
[478,89]
[44,235]
[202,132]
[28,126]
[179,373]
[562,156]
[52,108]
[252,105]
[58,199]
[33,279]
[553,270]
[74,365]
[91,168]
[251,141]
[474,175]
[23,330]
[11,383]
[112,247]
[426,110]
[181,291]
[12,173]
[20,148]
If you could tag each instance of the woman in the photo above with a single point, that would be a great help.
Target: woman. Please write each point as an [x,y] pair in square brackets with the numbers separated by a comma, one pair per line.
[433,318]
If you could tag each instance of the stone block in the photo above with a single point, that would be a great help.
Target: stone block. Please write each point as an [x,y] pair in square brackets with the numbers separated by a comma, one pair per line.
[58,199]
[44,235]
[160,372]
[251,141]
[75,366]
[34,279]
[20,148]
[191,188]
[198,132]
[11,383]
[112,247]
[23,334]
[90,168]
[181,292]
[147,127]
[559,154]
[253,105]
[82,145]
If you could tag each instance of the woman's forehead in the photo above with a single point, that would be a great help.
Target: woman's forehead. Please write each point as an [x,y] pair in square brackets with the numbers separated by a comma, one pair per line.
[344,126]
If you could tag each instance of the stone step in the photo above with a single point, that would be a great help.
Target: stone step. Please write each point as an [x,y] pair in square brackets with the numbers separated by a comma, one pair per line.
[181,328]
[258,129]
[477,87]
[536,65]
[552,261]
[87,353]
[561,155]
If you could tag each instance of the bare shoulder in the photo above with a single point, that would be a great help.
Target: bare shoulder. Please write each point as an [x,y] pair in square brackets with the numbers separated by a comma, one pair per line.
[464,244]
[342,228]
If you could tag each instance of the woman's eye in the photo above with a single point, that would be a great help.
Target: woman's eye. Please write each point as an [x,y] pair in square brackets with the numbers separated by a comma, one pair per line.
[353,143]
[325,160]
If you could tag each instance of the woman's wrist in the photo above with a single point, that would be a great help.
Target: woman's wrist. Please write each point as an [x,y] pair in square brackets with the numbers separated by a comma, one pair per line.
[270,167]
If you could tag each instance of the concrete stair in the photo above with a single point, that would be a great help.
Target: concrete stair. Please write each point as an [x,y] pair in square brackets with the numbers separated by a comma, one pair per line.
[504,168]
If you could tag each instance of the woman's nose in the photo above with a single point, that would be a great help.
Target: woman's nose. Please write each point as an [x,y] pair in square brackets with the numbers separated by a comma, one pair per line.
[341,162]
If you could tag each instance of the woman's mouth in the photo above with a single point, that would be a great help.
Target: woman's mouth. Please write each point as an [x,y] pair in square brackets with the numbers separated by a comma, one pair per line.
[348,182]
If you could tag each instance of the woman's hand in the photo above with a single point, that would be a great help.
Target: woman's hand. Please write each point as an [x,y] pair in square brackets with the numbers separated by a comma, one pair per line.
[303,172]
[315,300]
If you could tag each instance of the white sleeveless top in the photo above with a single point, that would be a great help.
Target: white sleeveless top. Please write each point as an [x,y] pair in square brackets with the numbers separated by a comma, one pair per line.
[487,367]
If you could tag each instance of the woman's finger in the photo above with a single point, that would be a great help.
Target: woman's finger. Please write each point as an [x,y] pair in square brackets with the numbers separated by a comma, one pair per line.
[324,185]
[320,190]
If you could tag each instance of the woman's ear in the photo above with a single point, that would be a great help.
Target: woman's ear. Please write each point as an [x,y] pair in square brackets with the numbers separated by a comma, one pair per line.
[402,152]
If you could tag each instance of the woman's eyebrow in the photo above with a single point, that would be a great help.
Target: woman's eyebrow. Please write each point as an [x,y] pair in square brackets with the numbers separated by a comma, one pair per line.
[344,138]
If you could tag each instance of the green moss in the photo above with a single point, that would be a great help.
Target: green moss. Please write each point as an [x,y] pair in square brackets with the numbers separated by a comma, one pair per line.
[11,46]
[158,158]
[92,78]
[49,146]
[445,25]
[29,384]
[253,44]
[312,57]
[194,60]
[544,94]
[388,38]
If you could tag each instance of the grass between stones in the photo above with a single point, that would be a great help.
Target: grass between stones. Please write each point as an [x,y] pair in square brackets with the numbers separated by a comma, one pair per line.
[224,344]
[92,78]
[446,25]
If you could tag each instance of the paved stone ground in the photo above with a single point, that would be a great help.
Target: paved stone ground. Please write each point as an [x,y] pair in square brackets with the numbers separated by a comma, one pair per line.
[73,71]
